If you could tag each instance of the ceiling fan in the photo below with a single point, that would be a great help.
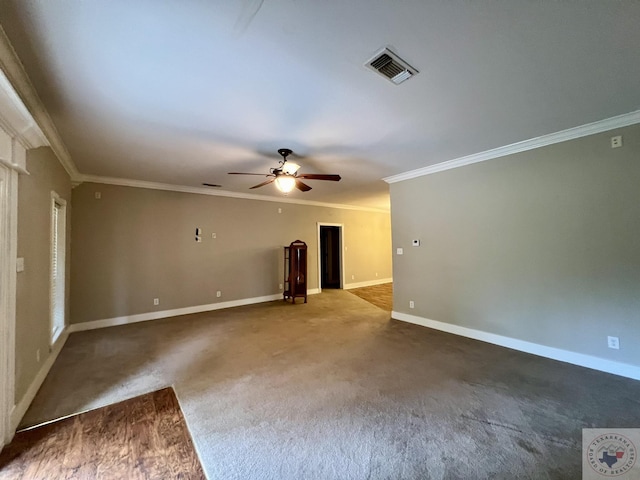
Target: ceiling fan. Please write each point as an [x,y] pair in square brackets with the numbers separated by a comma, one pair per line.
[286,176]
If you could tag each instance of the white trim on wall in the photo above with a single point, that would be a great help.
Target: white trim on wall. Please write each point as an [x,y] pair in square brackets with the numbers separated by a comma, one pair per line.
[143,317]
[15,132]
[570,134]
[41,129]
[588,361]
[18,411]
[8,253]
[124,182]
[16,119]
[23,404]
[369,283]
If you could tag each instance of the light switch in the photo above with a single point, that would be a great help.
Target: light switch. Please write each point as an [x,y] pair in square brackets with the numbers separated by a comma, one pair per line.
[20,264]
[416,243]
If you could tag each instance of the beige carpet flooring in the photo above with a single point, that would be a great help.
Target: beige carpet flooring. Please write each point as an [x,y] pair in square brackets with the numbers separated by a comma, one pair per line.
[334,389]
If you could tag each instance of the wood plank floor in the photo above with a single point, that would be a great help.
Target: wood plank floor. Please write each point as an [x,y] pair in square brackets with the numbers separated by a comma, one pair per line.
[379,295]
[145,437]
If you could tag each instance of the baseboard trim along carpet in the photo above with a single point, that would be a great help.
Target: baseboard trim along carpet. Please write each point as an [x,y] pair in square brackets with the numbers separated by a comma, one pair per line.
[143,317]
[588,361]
[143,437]
[20,408]
[369,283]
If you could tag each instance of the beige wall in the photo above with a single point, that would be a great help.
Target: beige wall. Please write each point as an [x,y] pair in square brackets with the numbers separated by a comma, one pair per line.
[34,237]
[134,244]
[542,246]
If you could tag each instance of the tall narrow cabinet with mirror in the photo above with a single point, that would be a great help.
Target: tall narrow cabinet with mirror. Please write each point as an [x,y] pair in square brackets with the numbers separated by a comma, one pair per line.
[295,271]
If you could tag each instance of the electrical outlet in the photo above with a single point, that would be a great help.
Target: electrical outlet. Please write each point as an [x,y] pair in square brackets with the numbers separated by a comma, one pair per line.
[156,301]
[213,235]
[38,355]
[616,141]
[98,195]
[411,304]
[280,287]
[613,342]
[353,277]
[376,274]
[218,294]
[399,251]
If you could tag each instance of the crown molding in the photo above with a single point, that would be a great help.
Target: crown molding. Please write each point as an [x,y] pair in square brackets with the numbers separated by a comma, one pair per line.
[124,182]
[16,120]
[43,130]
[619,121]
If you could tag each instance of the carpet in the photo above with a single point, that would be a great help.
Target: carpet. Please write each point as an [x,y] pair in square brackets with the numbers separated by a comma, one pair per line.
[141,438]
[335,389]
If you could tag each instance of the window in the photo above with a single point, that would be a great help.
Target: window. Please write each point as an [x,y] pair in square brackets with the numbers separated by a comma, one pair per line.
[58,261]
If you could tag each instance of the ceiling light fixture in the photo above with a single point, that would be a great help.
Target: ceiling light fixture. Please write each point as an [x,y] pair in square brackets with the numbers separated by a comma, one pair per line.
[285,182]
[286,176]
[290,168]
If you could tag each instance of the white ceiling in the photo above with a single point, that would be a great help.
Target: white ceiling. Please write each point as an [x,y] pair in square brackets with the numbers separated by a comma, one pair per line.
[182,92]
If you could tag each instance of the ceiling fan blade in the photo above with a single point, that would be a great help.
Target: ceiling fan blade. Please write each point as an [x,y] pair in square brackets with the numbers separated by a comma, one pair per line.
[303,187]
[319,176]
[242,173]
[263,183]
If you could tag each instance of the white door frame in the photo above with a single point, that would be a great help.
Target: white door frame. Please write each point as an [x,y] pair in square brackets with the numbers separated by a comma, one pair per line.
[341,226]
[8,253]
[18,132]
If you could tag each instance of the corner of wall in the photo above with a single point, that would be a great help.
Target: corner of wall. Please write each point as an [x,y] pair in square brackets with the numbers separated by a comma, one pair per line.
[23,404]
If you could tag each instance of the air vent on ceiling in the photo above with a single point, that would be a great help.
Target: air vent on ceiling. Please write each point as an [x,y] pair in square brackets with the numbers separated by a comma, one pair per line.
[392,67]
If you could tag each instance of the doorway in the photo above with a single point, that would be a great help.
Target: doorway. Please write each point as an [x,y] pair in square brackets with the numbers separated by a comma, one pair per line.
[330,256]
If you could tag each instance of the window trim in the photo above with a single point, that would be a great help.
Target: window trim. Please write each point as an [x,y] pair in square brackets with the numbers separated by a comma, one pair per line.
[59,203]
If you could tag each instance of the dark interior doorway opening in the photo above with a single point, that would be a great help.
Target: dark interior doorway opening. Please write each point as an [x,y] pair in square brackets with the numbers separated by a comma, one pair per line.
[330,274]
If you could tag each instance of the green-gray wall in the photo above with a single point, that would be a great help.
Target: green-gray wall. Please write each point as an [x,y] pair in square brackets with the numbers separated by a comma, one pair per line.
[541,246]
[134,244]
[34,243]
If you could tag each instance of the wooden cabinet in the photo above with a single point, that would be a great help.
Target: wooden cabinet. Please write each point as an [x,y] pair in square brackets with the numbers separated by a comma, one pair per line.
[295,271]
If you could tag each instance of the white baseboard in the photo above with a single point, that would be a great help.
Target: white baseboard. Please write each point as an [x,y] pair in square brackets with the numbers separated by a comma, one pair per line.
[369,283]
[21,407]
[143,317]
[588,361]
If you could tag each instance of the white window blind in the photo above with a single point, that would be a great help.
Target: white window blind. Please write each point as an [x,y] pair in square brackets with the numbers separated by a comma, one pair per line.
[58,211]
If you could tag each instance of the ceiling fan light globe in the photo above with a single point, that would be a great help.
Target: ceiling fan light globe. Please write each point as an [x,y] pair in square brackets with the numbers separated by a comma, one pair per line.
[285,183]
[290,168]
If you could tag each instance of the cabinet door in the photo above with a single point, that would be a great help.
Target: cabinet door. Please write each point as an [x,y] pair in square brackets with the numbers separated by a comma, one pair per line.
[300,269]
